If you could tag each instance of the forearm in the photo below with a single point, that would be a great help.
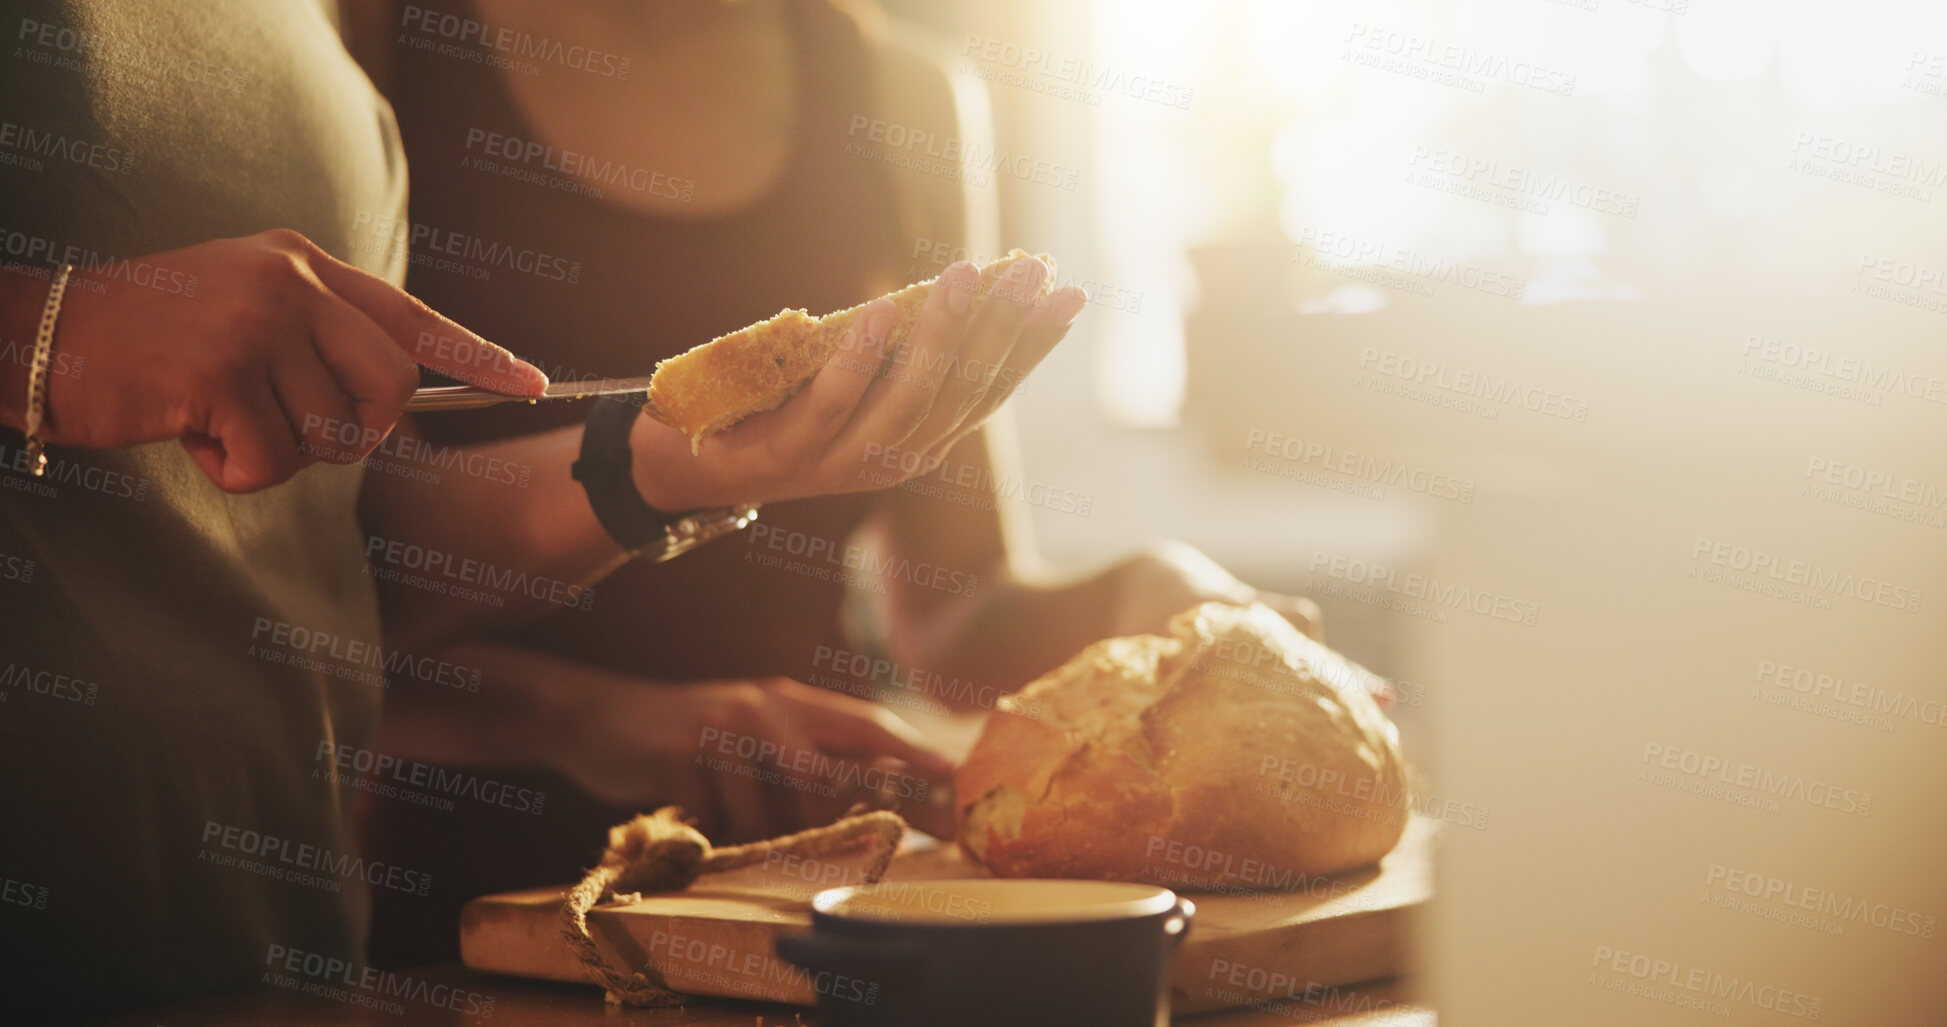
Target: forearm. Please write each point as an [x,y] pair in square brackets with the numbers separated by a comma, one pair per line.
[502,535]
[523,714]
[1011,631]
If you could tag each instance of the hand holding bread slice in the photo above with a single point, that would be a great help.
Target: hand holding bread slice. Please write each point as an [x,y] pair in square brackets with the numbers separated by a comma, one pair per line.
[754,369]
[798,406]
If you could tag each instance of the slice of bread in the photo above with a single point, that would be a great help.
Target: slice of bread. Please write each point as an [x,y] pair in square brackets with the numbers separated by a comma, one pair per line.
[757,368]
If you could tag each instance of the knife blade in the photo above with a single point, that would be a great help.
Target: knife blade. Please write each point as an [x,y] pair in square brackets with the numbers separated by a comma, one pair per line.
[469,397]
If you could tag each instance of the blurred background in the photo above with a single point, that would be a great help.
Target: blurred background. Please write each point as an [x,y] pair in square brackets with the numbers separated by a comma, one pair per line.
[1582,359]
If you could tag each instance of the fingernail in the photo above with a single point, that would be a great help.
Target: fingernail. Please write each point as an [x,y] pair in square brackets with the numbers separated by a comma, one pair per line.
[960,288]
[1073,300]
[1037,273]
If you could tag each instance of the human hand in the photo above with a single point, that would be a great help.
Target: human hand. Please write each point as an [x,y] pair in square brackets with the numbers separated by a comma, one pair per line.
[755,758]
[279,357]
[1166,578]
[819,441]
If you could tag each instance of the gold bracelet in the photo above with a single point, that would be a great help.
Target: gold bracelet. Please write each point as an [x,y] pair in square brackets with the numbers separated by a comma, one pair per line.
[37,374]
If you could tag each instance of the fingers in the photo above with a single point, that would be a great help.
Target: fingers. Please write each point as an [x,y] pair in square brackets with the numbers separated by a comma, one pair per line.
[894,405]
[250,445]
[375,376]
[1301,612]
[1044,327]
[859,729]
[318,410]
[947,337]
[813,417]
[430,338]
[765,795]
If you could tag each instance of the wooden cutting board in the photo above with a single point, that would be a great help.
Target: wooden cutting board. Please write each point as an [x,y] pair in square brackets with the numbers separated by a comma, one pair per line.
[716,938]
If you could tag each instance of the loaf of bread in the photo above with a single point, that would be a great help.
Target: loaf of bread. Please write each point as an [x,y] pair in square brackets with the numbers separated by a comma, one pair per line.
[1233,753]
[715,385]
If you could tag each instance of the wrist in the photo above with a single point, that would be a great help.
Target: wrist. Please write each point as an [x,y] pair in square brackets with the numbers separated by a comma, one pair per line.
[21,298]
[666,474]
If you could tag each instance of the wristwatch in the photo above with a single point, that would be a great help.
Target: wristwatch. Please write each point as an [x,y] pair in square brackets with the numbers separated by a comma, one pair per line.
[606,470]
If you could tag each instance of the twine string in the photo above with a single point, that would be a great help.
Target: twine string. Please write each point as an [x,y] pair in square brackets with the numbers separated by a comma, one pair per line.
[658,852]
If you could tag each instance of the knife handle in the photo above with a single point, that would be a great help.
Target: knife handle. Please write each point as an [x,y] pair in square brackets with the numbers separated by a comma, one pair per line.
[456,397]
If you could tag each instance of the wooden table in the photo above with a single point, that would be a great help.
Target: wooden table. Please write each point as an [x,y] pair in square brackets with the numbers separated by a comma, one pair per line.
[524,1003]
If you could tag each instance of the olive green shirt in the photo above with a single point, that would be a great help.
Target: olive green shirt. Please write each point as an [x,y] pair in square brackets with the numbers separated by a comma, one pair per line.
[172,658]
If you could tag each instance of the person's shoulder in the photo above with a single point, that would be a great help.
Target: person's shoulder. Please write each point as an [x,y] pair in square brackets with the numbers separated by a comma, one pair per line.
[914,86]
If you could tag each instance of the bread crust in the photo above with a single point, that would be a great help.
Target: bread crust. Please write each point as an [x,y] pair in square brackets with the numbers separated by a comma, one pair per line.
[713,386]
[1234,752]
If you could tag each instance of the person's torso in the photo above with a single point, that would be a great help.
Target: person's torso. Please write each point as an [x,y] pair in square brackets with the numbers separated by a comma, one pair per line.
[522,241]
[175,658]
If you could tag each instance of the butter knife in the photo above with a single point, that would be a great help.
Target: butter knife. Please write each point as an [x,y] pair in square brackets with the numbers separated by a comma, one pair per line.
[468,397]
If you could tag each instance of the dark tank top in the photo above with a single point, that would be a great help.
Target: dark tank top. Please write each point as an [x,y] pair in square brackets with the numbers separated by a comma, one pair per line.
[612,290]
[595,289]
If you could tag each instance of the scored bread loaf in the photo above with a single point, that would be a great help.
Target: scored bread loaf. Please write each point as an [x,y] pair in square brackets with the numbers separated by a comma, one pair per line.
[1233,752]
[715,385]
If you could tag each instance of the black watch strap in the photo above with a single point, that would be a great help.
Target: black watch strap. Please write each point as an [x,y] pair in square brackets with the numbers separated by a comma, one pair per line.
[606,469]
